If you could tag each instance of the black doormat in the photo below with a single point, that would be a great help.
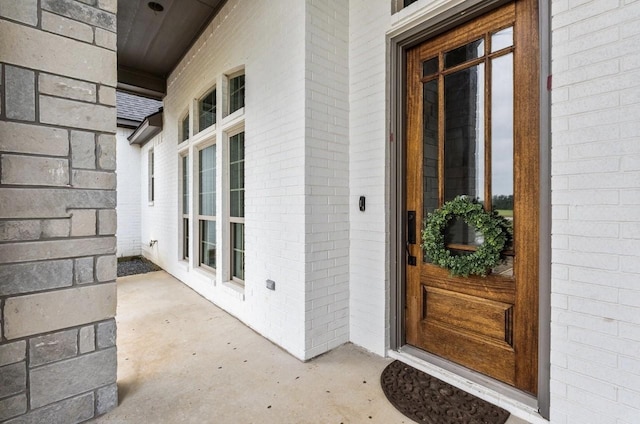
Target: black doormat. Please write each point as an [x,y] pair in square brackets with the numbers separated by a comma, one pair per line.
[133,265]
[426,399]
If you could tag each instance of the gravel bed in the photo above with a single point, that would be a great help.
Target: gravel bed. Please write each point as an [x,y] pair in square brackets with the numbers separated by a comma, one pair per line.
[136,265]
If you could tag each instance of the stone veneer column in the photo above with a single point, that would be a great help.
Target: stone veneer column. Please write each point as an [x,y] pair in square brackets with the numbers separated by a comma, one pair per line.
[57,210]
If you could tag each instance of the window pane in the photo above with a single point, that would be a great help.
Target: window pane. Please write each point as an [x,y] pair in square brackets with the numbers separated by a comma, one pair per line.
[430,67]
[470,51]
[208,243]
[236,93]
[236,175]
[185,238]
[207,108]
[207,181]
[185,128]
[237,248]
[464,143]
[502,135]
[502,39]
[185,184]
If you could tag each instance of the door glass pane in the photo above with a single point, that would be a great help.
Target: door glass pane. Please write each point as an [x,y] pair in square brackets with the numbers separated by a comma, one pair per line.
[208,243]
[502,134]
[464,143]
[502,39]
[430,67]
[207,181]
[462,54]
[430,147]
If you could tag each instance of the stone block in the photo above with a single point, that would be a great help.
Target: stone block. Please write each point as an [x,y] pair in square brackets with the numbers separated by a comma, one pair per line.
[13,379]
[19,230]
[20,93]
[107,151]
[71,113]
[36,276]
[107,222]
[53,347]
[55,249]
[83,150]
[108,5]
[72,376]
[87,339]
[93,179]
[69,411]
[106,399]
[54,228]
[26,138]
[83,222]
[106,334]
[44,312]
[25,11]
[106,268]
[12,407]
[107,95]
[67,27]
[87,62]
[82,13]
[89,2]
[67,87]
[106,39]
[51,203]
[30,170]
[83,270]
[11,353]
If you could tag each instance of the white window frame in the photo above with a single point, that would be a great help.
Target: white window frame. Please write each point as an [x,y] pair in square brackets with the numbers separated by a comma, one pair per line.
[231,220]
[227,93]
[182,137]
[184,189]
[151,176]
[197,217]
[197,112]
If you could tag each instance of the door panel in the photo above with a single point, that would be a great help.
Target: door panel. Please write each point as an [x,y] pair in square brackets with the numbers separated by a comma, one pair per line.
[472,128]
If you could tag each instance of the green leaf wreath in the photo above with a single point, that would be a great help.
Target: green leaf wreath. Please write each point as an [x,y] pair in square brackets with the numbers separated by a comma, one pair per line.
[496,231]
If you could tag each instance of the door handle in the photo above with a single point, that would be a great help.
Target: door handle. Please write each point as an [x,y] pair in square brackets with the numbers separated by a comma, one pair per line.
[411,227]
[411,237]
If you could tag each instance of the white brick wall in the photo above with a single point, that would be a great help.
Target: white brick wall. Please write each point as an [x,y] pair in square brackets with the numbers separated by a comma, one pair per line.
[369,165]
[327,176]
[296,173]
[268,40]
[595,370]
[155,215]
[128,180]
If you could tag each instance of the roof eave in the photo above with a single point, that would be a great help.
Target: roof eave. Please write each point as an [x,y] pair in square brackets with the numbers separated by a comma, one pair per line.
[149,128]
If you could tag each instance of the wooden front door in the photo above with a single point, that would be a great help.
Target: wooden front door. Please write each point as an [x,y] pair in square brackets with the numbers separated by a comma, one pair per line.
[472,129]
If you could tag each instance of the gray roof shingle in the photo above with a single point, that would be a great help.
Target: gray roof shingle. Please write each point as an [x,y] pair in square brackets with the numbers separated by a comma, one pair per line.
[135,108]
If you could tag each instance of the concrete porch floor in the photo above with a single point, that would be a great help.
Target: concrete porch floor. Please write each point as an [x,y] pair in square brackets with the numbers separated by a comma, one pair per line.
[181,359]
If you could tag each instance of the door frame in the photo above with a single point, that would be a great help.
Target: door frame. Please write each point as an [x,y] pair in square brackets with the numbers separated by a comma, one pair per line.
[399,41]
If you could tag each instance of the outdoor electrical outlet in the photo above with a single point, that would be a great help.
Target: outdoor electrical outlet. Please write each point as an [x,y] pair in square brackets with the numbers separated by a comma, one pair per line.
[271,285]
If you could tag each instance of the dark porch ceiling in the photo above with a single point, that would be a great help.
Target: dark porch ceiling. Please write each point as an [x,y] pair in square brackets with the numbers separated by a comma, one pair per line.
[151,42]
